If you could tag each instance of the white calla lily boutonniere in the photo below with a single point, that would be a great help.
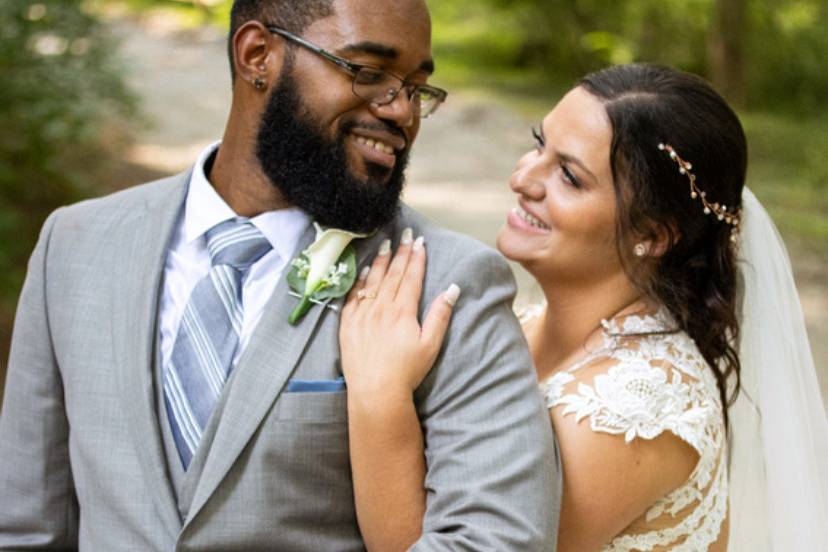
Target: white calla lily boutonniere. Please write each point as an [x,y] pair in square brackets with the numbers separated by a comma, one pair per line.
[324,271]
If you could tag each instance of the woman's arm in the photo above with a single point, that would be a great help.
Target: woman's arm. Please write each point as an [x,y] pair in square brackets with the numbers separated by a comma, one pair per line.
[609,483]
[385,356]
[388,469]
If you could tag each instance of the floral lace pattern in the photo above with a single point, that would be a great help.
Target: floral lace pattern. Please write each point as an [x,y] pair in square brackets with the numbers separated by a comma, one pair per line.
[657,381]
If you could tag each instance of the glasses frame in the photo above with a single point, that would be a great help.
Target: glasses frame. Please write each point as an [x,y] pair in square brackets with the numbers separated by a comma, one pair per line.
[354,68]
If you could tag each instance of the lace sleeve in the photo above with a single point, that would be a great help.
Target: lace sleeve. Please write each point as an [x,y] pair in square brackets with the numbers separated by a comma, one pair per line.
[641,386]
[529,313]
[635,398]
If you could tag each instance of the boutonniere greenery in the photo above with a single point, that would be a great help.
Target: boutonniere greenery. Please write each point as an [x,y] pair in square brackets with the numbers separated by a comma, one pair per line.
[324,271]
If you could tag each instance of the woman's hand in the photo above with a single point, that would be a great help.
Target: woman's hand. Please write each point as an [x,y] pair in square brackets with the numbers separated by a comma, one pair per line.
[384,349]
[385,356]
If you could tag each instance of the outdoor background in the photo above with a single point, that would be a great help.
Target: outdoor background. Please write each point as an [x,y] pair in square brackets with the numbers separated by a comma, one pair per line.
[100,95]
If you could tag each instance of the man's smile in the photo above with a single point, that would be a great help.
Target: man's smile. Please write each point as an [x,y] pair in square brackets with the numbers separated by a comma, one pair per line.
[378,147]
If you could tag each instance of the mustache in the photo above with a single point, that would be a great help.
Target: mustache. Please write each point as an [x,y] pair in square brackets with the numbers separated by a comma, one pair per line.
[381,126]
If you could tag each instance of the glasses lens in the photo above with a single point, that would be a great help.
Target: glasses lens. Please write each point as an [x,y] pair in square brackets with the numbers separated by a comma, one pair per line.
[375,86]
[427,101]
[367,77]
[381,88]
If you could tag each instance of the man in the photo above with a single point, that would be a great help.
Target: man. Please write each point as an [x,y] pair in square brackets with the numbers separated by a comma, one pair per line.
[157,398]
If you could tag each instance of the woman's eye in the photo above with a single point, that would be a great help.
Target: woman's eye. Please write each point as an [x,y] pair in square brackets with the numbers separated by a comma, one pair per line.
[570,177]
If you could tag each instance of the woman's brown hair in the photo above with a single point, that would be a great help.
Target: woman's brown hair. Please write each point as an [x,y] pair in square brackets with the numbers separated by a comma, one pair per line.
[696,278]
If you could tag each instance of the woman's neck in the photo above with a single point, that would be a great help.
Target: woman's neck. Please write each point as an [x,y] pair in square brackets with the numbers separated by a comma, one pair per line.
[571,323]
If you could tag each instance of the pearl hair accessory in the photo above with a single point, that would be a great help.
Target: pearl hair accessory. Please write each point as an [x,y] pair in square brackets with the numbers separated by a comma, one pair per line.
[731,217]
[640,250]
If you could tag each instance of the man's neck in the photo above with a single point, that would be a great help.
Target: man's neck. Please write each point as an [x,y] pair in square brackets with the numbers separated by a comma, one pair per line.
[238,178]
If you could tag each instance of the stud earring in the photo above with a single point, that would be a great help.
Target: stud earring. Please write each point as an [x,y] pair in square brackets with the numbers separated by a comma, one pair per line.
[640,250]
[259,83]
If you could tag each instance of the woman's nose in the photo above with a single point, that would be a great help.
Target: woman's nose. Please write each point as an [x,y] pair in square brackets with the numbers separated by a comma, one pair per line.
[525,179]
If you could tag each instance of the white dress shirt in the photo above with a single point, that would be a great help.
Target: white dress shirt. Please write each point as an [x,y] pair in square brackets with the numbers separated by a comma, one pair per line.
[188,260]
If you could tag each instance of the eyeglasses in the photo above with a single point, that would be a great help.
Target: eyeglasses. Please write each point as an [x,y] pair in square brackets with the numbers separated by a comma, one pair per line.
[375,85]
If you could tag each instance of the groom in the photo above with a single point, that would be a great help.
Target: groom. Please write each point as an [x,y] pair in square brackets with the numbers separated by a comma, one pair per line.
[157,398]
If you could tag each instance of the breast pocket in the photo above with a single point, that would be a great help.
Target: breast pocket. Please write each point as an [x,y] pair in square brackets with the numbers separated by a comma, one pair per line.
[302,451]
[312,407]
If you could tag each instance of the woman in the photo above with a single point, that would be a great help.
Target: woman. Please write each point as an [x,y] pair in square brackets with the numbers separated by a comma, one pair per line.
[628,215]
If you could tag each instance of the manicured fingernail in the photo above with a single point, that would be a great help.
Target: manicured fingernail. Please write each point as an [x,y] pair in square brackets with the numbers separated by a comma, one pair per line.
[385,248]
[364,274]
[452,294]
[407,236]
[418,244]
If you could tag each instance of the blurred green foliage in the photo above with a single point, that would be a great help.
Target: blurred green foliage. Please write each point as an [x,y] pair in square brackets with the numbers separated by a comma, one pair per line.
[534,46]
[788,171]
[61,91]
[186,12]
[785,42]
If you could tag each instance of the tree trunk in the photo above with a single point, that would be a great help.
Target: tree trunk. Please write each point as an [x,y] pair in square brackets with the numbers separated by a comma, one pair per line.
[726,49]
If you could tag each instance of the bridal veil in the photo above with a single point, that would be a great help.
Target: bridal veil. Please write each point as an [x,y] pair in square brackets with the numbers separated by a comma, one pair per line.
[779,431]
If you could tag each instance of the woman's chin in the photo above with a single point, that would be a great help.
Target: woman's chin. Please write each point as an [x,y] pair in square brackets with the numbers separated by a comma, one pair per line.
[502,243]
[512,246]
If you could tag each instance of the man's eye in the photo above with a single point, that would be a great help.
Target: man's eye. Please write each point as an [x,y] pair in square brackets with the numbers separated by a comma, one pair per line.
[367,75]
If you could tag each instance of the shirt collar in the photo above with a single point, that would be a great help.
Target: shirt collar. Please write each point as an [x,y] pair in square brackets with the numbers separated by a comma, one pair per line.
[204,208]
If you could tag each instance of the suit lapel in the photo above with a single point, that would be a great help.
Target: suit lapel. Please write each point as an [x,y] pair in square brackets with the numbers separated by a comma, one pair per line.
[135,312]
[260,375]
[367,249]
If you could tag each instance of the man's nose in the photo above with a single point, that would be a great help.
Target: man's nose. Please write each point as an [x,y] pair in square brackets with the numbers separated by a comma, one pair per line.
[400,110]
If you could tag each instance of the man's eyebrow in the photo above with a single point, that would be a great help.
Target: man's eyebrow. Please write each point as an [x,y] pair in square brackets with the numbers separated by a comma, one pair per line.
[372,48]
[380,50]
[427,66]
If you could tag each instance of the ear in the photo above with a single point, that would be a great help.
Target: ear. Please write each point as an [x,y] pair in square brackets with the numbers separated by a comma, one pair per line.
[256,55]
[660,241]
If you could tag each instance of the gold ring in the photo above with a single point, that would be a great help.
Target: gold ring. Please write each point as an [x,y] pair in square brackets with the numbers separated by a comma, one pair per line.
[362,294]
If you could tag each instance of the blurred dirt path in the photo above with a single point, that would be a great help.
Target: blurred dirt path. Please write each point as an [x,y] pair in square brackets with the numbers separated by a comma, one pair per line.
[459,169]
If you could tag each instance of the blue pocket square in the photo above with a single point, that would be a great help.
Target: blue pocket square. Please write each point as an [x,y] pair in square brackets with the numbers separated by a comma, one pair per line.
[315,386]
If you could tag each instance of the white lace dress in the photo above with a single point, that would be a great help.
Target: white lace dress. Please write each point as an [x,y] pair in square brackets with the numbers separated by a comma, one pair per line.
[656,381]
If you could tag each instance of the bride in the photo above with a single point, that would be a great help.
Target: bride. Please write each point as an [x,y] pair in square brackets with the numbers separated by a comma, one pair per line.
[655,262]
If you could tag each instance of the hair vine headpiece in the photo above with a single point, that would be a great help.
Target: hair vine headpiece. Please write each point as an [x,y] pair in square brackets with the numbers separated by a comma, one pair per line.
[731,216]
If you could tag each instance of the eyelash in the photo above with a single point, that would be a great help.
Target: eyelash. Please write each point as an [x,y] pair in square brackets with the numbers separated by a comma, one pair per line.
[569,176]
[540,143]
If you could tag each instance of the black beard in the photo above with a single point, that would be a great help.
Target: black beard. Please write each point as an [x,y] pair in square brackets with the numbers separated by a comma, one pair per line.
[312,171]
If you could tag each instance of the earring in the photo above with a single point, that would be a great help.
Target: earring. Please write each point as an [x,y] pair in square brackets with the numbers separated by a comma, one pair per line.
[259,83]
[640,250]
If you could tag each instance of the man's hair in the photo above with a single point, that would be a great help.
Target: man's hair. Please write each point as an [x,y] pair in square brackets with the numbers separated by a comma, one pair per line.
[292,15]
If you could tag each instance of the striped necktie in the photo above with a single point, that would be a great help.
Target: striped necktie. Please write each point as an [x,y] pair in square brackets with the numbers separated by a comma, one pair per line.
[208,333]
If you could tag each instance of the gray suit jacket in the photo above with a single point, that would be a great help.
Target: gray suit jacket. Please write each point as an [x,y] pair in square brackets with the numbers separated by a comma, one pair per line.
[82,462]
